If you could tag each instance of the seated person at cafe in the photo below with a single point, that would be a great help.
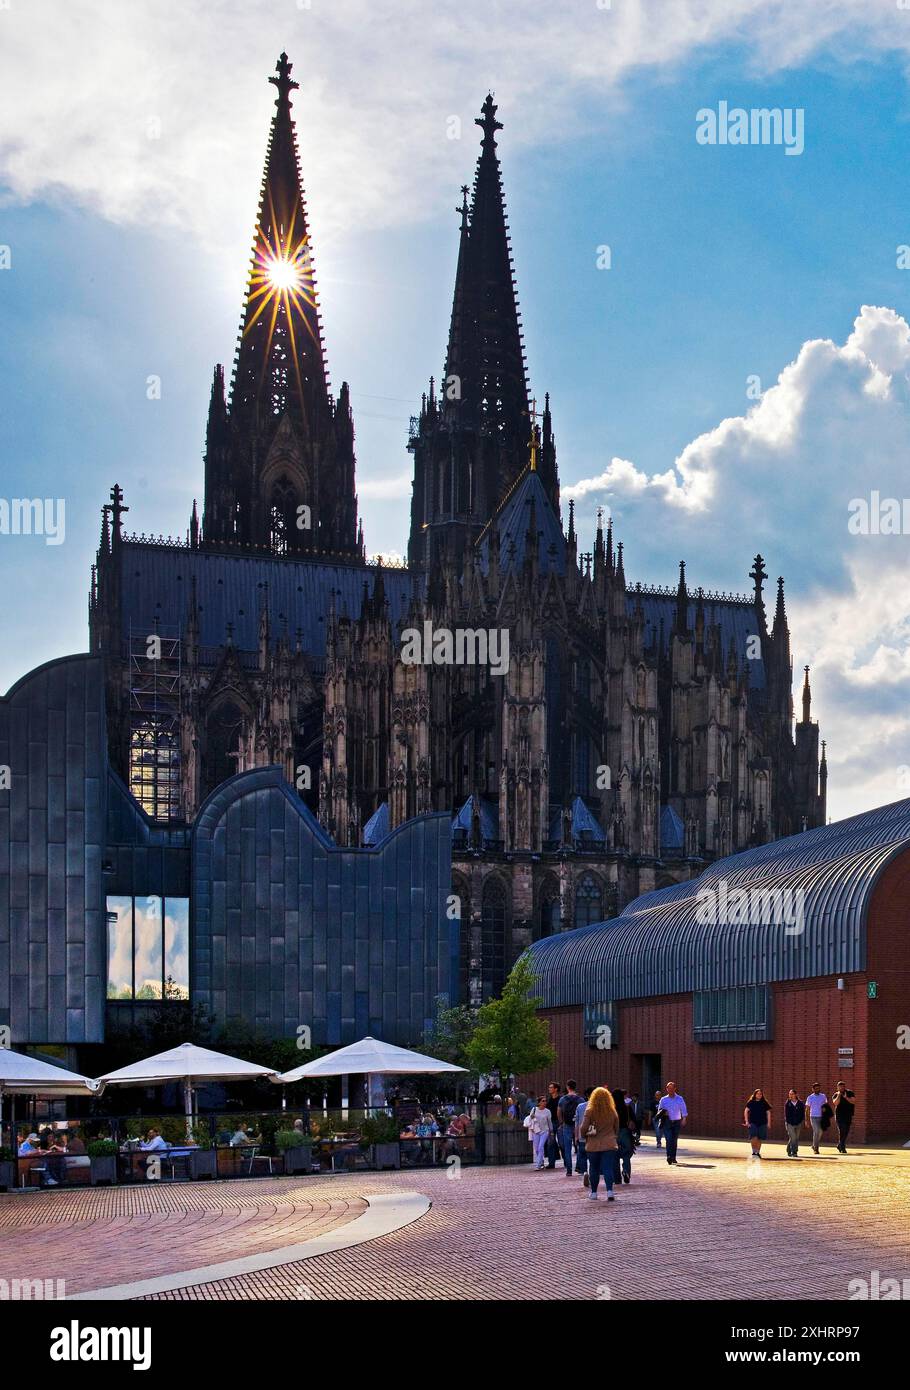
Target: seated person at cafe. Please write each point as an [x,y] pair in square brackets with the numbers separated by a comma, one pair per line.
[75,1144]
[28,1144]
[408,1132]
[242,1136]
[153,1140]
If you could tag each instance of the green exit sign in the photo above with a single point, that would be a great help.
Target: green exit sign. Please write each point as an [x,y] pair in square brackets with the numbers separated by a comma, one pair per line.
[872,989]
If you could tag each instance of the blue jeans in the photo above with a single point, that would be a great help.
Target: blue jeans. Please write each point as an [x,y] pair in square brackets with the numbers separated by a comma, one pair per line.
[622,1157]
[566,1139]
[671,1130]
[657,1134]
[581,1159]
[600,1164]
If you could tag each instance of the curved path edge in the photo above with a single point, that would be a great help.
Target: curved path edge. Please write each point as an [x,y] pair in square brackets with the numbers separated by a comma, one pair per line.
[385,1213]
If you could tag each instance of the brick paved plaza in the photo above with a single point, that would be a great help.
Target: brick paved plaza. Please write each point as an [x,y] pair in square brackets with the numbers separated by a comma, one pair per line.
[707,1229]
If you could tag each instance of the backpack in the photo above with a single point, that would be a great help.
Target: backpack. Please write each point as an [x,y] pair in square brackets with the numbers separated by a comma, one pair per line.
[569,1106]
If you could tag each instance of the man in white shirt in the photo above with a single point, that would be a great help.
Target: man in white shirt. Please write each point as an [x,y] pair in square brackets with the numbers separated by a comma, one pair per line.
[154,1141]
[816,1101]
[673,1112]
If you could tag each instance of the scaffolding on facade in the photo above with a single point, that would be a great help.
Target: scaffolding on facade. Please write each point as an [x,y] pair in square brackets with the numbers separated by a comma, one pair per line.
[154,663]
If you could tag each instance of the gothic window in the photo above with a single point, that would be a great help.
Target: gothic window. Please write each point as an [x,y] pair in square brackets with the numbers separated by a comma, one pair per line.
[282,516]
[549,908]
[493,939]
[155,766]
[589,901]
[278,393]
[223,729]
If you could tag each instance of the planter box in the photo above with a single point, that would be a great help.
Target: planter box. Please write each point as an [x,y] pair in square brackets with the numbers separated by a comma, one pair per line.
[104,1170]
[7,1176]
[503,1144]
[386,1156]
[203,1163]
[299,1159]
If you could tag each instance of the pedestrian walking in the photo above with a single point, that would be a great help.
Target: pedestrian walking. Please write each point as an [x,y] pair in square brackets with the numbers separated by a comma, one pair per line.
[540,1129]
[816,1101]
[581,1159]
[756,1118]
[600,1130]
[673,1115]
[553,1107]
[636,1110]
[844,1105]
[794,1118]
[655,1117]
[568,1104]
[622,1162]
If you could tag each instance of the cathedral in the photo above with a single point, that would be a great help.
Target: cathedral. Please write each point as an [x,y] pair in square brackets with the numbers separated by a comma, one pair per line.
[633,732]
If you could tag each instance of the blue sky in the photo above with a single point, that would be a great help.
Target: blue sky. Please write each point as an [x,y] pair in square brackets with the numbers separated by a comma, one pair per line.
[128,258]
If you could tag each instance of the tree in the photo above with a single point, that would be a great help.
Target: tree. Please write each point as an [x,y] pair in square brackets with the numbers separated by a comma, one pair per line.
[509,1038]
[447,1039]
[449,1034]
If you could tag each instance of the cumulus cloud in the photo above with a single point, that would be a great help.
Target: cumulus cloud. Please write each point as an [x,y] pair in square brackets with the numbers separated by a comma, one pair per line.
[154,114]
[834,427]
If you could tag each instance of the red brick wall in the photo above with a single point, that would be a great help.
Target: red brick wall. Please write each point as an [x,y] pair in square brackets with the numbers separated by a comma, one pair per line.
[812,1019]
[888,956]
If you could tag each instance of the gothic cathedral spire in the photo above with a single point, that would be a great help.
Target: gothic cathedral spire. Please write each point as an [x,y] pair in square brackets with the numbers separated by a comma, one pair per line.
[280,452]
[471,443]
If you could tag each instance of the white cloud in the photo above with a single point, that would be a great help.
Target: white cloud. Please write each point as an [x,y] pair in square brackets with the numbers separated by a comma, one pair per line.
[84,86]
[835,426]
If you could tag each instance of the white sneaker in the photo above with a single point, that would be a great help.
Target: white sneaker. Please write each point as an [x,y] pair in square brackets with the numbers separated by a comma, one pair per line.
[593,1196]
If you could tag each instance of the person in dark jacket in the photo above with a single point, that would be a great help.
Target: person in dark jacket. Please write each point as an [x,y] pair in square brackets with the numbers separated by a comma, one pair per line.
[794,1118]
[844,1103]
[553,1107]
[622,1161]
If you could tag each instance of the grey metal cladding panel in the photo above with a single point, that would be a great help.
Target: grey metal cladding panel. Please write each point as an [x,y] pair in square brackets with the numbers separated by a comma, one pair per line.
[18,941]
[56,809]
[37,907]
[18,874]
[93,1016]
[37,775]
[37,977]
[56,1005]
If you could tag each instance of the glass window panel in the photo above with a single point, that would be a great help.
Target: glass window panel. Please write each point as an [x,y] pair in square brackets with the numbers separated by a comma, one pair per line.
[119,948]
[177,948]
[148,948]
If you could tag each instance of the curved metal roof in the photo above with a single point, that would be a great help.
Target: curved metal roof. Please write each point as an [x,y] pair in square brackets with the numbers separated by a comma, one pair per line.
[666,942]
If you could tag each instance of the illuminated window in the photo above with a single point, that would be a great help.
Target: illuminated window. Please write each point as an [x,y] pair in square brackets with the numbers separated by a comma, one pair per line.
[148,948]
[155,767]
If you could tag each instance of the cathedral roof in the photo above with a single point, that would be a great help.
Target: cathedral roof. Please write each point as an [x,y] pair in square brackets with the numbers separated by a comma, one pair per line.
[736,616]
[378,826]
[157,583]
[672,831]
[669,941]
[489,817]
[524,506]
[583,822]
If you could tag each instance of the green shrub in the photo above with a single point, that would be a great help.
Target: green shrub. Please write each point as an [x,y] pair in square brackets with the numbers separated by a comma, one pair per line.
[6,1155]
[101,1148]
[379,1129]
[291,1139]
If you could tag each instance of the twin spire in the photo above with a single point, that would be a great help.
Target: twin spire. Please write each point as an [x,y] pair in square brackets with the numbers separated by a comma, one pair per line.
[280,362]
[485,356]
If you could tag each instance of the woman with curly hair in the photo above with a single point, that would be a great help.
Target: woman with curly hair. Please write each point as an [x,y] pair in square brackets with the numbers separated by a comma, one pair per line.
[600,1130]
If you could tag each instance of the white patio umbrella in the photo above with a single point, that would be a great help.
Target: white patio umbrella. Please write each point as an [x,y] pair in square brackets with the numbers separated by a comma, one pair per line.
[372,1058]
[23,1075]
[189,1064]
